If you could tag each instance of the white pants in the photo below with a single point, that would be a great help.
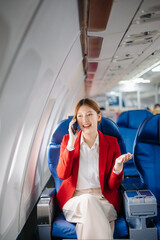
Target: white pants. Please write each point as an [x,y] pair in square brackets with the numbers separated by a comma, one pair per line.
[93,214]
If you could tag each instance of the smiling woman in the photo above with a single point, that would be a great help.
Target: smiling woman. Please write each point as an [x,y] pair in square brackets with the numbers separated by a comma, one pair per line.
[52,54]
[81,164]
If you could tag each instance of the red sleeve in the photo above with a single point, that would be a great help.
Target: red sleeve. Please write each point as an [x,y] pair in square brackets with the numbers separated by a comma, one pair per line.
[64,167]
[115,180]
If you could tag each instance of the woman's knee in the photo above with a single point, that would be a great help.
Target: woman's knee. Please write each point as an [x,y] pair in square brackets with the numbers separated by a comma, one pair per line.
[89,200]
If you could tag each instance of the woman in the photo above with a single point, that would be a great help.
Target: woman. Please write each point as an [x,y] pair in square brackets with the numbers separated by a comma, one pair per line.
[91,166]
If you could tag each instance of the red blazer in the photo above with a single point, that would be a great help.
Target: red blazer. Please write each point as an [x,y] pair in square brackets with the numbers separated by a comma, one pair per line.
[67,169]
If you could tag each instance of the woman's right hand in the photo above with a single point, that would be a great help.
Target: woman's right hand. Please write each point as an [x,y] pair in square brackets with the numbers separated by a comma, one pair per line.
[72,136]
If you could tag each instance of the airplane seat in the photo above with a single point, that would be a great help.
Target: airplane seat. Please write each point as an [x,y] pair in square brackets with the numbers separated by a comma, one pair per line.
[147,157]
[60,227]
[128,123]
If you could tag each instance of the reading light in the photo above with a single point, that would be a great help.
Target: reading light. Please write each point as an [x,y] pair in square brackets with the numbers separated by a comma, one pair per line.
[124,82]
[141,80]
[156,69]
[147,69]
[135,80]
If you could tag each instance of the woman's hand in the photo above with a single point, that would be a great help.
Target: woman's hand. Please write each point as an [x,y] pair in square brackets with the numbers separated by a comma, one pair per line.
[122,159]
[72,136]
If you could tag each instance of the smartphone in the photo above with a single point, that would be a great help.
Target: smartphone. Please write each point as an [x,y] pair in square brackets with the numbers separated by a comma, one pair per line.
[74,127]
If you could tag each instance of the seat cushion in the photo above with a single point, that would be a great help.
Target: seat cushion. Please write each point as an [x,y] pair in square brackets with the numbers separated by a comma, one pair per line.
[63,229]
[121,229]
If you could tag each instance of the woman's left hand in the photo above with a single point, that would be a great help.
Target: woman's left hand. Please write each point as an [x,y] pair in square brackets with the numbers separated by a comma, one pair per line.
[122,159]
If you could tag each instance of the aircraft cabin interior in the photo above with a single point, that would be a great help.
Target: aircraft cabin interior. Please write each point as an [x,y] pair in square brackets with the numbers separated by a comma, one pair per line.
[52,54]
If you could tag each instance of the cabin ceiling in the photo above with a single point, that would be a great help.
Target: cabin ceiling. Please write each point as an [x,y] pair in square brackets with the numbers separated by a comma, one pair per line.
[120,41]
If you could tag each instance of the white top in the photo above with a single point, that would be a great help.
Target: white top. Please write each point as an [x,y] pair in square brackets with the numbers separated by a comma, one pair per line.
[88,175]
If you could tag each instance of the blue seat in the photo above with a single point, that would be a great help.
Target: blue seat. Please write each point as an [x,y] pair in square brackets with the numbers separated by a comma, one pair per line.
[128,123]
[147,157]
[60,227]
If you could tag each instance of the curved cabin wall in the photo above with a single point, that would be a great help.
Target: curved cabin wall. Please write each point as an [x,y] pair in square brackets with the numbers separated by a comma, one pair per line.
[42,75]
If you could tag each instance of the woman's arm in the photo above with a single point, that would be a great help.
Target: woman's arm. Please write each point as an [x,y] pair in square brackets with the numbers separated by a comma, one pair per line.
[115,179]
[64,167]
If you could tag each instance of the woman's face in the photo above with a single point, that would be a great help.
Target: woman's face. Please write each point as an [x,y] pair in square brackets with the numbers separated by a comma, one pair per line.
[87,119]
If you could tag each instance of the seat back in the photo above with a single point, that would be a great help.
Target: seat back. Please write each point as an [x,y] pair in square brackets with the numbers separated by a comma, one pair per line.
[107,126]
[128,123]
[147,153]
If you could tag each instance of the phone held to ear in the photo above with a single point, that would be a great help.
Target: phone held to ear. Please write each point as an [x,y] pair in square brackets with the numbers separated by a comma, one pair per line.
[74,127]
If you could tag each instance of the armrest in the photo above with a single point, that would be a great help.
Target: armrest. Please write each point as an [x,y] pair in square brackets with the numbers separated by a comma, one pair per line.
[139,203]
[140,207]
[138,200]
[46,207]
[132,183]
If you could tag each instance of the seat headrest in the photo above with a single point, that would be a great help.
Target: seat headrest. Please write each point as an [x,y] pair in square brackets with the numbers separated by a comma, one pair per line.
[133,118]
[149,130]
[60,131]
[109,127]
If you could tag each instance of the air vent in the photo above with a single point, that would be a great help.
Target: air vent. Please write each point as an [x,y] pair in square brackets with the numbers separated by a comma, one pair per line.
[125,58]
[133,43]
[114,68]
[141,38]
[150,15]
[155,9]
[143,35]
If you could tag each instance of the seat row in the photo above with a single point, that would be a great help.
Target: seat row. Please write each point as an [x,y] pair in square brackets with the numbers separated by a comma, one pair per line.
[145,166]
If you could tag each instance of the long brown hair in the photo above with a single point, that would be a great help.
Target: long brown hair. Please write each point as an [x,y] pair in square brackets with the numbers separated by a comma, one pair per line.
[89,102]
